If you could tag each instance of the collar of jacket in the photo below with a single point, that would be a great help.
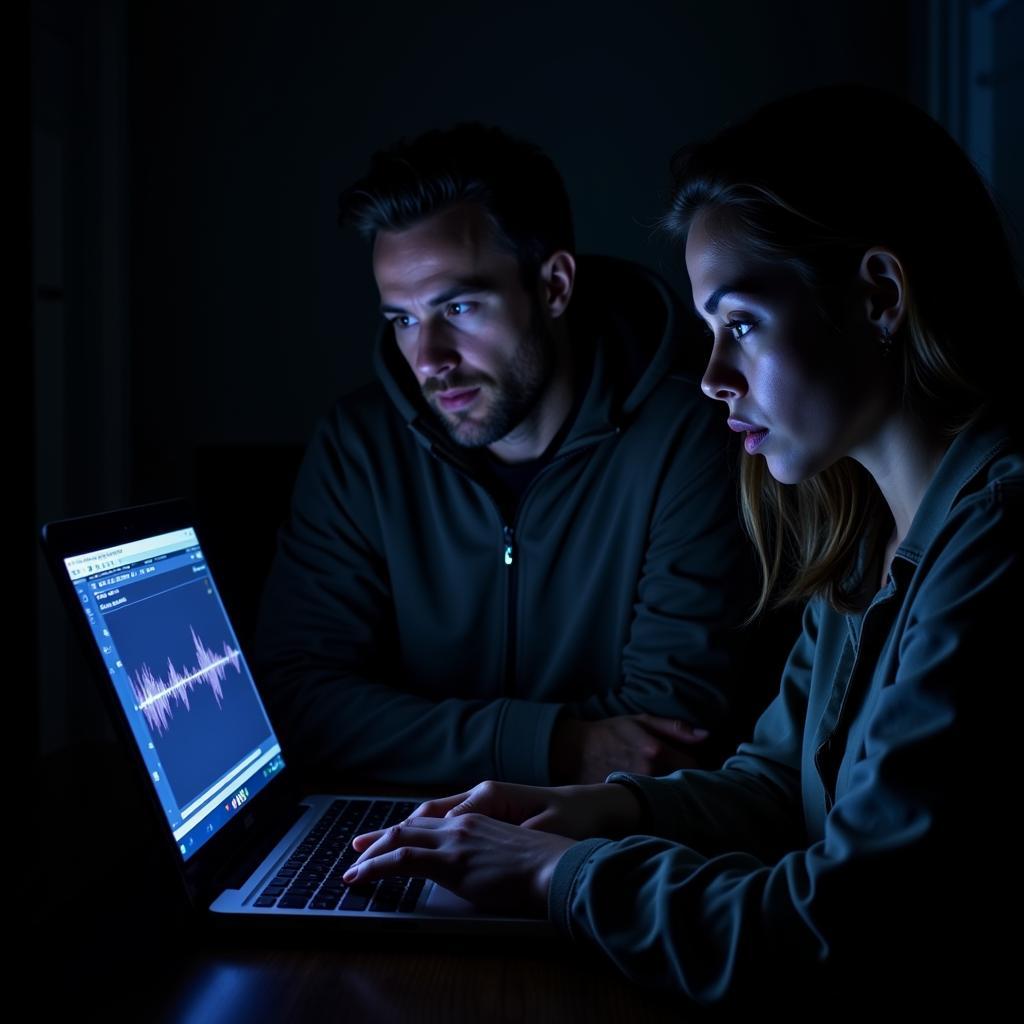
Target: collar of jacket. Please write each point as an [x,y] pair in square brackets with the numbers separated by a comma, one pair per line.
[624,320]
[969,456]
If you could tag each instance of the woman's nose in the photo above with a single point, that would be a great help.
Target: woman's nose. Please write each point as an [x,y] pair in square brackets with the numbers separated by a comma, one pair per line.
[722,379]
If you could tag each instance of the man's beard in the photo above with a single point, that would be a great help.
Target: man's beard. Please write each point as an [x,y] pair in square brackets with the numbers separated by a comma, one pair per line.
[511,399]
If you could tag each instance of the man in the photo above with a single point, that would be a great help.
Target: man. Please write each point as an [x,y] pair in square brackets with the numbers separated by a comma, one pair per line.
[516,555]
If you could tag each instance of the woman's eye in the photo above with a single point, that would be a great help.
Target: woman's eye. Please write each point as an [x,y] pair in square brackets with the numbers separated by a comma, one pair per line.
[739,328]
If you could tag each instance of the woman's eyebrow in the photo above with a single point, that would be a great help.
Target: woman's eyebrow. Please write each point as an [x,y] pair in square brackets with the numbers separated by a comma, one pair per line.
[746,285]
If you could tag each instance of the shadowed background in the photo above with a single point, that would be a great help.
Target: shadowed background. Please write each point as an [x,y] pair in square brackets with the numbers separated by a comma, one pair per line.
[195,307]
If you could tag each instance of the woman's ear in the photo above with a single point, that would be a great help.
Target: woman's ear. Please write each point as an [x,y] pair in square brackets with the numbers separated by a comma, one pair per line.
[884,290]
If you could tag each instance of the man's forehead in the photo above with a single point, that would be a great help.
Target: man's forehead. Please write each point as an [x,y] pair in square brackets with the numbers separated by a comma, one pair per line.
[456,243]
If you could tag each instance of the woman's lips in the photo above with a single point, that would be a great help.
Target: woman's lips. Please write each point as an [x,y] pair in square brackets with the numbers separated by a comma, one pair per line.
[456,400]
[753,440]
[755,434]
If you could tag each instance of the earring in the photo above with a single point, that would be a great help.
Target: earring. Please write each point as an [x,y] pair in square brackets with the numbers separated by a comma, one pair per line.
[885,341]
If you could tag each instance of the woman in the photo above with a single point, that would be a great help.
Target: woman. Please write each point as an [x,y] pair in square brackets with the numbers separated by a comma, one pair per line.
[859,291]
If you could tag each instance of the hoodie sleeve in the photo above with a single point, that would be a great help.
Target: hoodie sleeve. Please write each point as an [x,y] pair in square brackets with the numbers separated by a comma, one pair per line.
[685,653]
[908,887]
[753,802]
[325,633]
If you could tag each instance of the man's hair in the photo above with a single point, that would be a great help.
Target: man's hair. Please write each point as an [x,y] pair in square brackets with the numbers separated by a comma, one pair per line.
[514,181]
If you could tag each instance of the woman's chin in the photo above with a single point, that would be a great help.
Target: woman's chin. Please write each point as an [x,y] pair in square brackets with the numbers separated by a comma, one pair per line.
[786,471]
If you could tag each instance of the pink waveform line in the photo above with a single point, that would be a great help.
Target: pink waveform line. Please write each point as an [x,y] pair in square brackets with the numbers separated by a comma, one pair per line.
[153,696]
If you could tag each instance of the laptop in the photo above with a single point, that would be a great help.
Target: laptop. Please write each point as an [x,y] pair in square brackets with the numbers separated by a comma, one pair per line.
[245,843]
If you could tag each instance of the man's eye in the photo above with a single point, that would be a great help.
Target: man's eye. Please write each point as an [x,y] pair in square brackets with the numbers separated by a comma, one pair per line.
[402,321]
[458,308]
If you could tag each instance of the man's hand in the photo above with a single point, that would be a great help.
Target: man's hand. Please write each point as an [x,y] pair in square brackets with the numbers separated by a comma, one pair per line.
[493,864]
[586,752]
[579,812]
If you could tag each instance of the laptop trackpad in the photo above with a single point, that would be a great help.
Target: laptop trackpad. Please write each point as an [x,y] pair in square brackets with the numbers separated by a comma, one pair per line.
[442,901]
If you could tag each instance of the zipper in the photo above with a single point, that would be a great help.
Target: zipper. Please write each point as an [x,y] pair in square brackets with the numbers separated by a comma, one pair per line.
[508,538]
[508,684]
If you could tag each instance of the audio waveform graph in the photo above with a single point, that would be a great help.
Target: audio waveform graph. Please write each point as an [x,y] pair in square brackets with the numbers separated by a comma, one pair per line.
[155,697]
[187,685]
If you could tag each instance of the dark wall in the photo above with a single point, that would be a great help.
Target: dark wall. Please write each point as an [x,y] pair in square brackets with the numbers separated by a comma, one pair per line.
[194,301]
[196,307]
[1007,143]
[251,310]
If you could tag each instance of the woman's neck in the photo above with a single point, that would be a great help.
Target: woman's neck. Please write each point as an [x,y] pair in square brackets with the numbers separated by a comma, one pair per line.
[902,457]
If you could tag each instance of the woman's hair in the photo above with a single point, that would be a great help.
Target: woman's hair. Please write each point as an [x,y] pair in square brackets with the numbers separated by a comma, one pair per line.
[812,182]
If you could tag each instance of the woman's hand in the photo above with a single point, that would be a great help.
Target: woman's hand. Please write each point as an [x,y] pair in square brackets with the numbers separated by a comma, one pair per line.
[578,812]
[491,863]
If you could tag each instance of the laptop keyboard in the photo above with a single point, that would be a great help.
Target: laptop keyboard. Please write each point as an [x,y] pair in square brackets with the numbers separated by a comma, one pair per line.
[311,877]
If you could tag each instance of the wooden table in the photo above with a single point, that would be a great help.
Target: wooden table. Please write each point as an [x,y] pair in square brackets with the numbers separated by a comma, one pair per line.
[113,941]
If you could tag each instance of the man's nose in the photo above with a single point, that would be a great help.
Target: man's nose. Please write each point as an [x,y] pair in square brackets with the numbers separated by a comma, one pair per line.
[435,355]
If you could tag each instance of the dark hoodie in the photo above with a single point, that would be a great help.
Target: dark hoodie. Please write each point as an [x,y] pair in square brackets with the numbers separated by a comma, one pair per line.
[410,634]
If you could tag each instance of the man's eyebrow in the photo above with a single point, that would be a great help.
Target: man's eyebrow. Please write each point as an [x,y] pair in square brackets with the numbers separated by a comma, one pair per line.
[461,286]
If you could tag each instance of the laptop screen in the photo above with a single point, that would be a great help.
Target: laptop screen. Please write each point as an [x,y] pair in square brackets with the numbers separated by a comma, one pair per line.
[184,685]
